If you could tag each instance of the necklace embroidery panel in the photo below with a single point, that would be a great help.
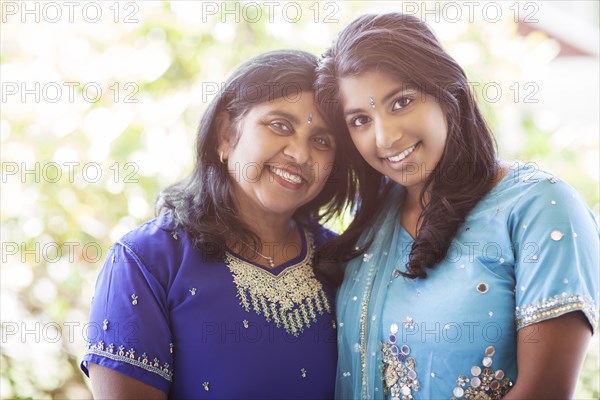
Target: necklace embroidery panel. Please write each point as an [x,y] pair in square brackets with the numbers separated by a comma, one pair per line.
[291,299]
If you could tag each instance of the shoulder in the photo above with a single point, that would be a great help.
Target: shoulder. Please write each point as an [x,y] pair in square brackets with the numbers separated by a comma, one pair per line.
[538,190]
[157,244]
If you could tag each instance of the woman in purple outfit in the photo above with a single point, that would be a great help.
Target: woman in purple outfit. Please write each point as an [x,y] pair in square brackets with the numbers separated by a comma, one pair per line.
[224,294]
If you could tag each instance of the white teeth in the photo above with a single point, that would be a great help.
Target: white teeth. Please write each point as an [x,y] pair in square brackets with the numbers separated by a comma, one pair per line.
[402,155]
[286,175]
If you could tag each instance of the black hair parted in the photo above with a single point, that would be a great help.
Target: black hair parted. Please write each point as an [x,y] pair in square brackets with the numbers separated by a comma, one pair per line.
[403,47]
[201,203]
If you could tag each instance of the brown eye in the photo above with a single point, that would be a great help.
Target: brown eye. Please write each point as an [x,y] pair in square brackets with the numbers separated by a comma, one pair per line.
[280,126]
[359,121]
[401,103]
[321,143]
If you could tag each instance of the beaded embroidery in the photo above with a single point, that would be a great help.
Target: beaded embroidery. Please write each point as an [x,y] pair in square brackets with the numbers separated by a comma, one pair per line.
[399,376]
[554,307]
[292,299]
[128,356]
[484,384]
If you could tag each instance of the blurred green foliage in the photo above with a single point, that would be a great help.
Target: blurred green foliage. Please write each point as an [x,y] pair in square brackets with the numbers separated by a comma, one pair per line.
[60,229]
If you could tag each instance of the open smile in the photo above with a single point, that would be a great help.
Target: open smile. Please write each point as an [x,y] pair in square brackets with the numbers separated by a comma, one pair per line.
[286,175]
[402,155]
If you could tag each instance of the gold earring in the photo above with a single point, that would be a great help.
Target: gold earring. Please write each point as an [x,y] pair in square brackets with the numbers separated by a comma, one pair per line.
[221,158]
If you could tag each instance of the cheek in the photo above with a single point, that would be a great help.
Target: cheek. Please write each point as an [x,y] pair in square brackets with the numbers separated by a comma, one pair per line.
[362,144]
[324,167]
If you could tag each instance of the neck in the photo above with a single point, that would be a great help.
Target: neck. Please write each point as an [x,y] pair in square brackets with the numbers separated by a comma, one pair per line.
[272,228]
[412,200]
[275,231]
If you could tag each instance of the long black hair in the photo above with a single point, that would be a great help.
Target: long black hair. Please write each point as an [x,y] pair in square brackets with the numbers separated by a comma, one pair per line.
[202,204]
[403,47]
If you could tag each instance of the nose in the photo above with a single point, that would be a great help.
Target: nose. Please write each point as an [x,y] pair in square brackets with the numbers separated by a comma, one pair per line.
[385,134]
[298,150]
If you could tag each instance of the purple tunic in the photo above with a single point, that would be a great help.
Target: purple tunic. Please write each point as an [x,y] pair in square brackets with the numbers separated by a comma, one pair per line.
[165,314]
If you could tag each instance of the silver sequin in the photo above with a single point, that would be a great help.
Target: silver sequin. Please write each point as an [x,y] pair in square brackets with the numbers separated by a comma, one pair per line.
[556,235]
[193,291]
[205,385]
[134,299]
[458,392]
[553,202]
[105,325]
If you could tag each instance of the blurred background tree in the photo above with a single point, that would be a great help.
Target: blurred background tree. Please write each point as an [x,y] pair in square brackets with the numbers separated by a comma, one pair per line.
[100,107]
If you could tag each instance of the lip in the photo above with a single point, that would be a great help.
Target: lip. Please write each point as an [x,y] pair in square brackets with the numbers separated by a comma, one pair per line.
[401,163]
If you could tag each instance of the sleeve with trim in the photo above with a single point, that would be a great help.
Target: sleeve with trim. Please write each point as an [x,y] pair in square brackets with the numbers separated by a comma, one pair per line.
[129,324]
[555,236]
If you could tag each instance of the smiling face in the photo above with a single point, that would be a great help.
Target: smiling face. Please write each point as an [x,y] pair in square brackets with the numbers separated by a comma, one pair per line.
[398,130]
[277,159]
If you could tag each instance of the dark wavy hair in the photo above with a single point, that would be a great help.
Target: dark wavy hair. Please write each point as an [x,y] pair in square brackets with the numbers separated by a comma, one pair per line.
[202,204]
[403,47]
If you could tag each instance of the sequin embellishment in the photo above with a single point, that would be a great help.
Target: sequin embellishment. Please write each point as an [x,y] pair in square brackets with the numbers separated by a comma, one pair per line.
[482,288]
[291,299]
[399,376]
[134,299]
[129,357]
[484,383]
[556,235]
[556,306]
[205,386]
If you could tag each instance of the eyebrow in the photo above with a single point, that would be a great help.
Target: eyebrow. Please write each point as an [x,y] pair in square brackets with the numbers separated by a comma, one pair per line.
[277,113]
[294,120]
[386,98]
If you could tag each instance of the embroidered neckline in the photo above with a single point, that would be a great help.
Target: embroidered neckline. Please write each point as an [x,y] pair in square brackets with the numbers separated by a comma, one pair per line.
[291,299]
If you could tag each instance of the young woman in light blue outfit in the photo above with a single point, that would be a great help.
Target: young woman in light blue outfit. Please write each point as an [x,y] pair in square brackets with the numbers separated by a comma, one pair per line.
[474,278]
